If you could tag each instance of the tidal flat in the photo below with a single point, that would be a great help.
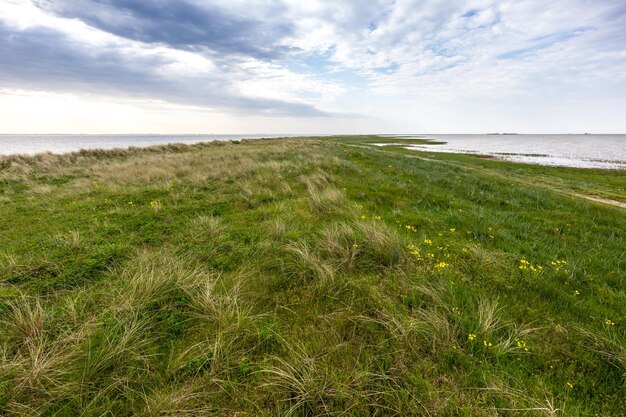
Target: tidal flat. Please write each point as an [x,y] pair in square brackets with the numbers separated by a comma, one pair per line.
[309,276]
[576,151]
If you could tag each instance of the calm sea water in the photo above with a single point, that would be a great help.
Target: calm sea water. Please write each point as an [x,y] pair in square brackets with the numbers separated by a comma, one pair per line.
[583,151]
[31,144]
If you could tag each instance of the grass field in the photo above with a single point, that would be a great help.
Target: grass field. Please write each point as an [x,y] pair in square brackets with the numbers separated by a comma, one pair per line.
[309,277]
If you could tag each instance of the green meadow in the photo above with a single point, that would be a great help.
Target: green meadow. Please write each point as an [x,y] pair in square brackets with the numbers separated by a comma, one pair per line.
[309,277]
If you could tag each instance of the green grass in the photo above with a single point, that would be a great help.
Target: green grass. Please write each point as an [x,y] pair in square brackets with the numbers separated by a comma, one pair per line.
[309,277]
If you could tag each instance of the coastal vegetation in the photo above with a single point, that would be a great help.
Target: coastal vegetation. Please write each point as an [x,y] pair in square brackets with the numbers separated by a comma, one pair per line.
[309,276]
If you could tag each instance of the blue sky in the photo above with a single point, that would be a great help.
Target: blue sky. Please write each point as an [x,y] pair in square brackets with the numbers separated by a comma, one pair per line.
[361,66]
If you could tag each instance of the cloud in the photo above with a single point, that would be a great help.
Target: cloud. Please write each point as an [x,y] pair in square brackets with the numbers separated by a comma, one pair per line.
[543,42]
[47,59]
[465,51]
[180,24]
[319,57]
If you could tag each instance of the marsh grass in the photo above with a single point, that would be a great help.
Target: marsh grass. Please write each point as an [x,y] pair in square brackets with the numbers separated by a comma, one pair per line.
[307,277]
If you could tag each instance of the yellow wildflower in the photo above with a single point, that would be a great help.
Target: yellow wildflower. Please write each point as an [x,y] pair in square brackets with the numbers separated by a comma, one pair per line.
[559,265]
[471,337]
[525,265]
[413,250]
[521,344]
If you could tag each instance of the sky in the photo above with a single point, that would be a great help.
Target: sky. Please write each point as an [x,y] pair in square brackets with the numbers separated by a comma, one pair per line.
[312,67]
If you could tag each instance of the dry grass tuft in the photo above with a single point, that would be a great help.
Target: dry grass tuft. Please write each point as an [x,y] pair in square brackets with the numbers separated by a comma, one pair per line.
[174,402]
[339,244]
[382,244]
[152,277]
[215,302]
[608,347]
[70,240]
[208,235]
[120,346]
[302,382]
[303,264]
[25,321]
[323,197]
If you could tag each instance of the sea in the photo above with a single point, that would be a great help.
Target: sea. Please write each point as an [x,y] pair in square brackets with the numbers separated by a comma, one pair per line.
[33,144]
[583,151]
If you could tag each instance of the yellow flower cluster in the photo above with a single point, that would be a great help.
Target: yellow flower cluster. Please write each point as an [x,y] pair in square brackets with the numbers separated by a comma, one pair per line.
[414,250]
[456,310]
[410,228]
[471,337]
[521,344]
[487,343]
[559,265]
[377,218]
[154,203]
[435,253]
[524,265]
[609,322]
[569,385]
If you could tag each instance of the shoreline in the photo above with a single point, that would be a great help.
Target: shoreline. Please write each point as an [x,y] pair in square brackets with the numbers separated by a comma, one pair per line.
[534,159]
[418,144]
[507,151]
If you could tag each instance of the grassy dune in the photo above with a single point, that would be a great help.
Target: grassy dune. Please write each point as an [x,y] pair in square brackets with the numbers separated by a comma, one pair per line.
[308,277]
